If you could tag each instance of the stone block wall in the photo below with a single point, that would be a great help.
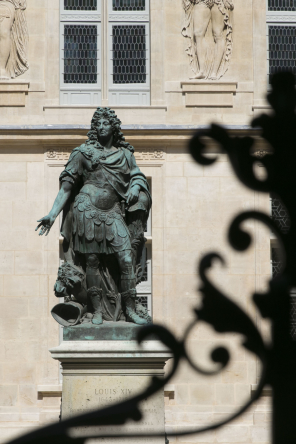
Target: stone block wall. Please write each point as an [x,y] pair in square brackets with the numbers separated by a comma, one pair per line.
[26,294]
[192,208]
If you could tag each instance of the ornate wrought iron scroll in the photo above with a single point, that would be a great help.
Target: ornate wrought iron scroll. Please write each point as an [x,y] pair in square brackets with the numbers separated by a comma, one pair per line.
[278,358]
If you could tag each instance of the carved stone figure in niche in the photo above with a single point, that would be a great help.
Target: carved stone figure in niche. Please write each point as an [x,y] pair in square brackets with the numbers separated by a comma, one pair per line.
[209,30]
[13,39]
[106,201]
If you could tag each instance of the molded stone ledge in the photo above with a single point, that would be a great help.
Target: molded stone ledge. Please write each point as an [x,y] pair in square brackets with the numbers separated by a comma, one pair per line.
[49,390]
[267,391]
[209,94]
[13,93]
[112,352]
[94,107]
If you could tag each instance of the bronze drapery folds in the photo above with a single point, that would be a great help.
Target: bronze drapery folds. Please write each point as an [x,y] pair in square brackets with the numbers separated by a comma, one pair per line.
[279,357]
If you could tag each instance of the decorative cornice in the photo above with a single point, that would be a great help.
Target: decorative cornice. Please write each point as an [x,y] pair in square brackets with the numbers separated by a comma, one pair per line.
[149,155]
[80,17]
[142,155]
[128,18]
[58,154]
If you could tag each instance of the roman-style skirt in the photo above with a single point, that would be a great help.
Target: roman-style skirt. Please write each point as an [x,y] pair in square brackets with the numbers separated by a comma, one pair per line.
[98,231]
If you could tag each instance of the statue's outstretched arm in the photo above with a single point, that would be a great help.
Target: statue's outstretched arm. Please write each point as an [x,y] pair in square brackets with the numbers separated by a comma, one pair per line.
[47,222]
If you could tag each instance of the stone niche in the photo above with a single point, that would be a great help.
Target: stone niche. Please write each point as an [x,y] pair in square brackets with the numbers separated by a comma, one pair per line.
[209,94]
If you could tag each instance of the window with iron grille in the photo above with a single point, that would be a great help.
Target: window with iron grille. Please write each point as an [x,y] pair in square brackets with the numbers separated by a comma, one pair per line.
[281,35]
[80,52]
[279,214]
[129,66]
[129,54]
[129,5]
[80,5]
[293,314]
[276,262]
[144,288]
[282,48]
[126,52]
[277,266]
[282,5]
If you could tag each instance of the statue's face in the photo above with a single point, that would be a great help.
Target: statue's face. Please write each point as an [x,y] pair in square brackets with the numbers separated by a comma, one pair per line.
[104,129]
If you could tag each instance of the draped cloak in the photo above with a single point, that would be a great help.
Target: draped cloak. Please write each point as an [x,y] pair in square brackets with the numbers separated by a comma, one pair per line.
[187,31]
[17,62]
[121,172]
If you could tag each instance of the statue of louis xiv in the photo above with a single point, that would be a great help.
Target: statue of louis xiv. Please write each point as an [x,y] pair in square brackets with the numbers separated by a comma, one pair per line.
[106,201]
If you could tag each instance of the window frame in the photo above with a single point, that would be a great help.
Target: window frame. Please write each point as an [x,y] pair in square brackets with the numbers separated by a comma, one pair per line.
[71,92]
[277,18]
[129,93]
[86,12]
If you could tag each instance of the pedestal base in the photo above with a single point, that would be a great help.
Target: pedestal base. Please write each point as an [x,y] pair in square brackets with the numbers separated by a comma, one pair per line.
[100,373]
[108,331]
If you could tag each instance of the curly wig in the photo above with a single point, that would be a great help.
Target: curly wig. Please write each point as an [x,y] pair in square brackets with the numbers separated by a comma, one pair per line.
[118,137]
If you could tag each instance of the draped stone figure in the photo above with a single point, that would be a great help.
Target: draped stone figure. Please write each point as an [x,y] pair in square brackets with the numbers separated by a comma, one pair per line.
[13,39]
[105,200]
[208,27]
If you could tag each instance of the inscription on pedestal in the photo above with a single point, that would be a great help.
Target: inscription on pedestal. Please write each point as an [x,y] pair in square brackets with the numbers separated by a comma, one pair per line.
[86,393]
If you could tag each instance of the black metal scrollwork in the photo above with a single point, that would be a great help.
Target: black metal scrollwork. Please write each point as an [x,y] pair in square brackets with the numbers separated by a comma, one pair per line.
[278,358]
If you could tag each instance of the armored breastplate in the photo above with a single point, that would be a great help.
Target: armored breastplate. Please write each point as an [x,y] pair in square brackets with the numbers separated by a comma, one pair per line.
[96,176]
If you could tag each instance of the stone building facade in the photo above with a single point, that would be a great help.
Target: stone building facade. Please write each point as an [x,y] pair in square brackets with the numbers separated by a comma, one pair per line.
[72,54]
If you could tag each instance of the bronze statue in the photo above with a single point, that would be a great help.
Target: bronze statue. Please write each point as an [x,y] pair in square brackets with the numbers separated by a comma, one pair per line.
[106,202]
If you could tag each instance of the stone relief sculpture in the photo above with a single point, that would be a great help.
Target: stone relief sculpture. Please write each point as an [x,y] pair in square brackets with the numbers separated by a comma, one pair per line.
[13,39]
[106,201]
[209,30]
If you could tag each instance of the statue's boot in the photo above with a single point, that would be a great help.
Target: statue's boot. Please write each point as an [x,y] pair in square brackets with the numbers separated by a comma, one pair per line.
[129,298]
[95,294]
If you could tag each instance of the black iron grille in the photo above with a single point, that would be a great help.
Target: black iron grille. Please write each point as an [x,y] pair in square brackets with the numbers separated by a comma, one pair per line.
[293,316]
[282,49]
[282,5]
[129,5]
[279,214]
[143,300]
[145,274]
[80,5]
[129,54]
[276,260]
[80,54]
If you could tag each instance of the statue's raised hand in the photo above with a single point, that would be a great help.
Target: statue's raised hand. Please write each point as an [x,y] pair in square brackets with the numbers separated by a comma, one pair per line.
[45,223]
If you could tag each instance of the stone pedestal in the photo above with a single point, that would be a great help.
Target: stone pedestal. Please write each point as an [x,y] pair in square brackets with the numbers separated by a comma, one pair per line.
[104,372]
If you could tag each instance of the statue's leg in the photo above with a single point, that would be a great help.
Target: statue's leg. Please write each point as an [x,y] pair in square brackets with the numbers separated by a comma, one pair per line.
[219,37]
[128,286]
[7,15]
[93,277]
[201,16]
[93,282]
[127,273]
